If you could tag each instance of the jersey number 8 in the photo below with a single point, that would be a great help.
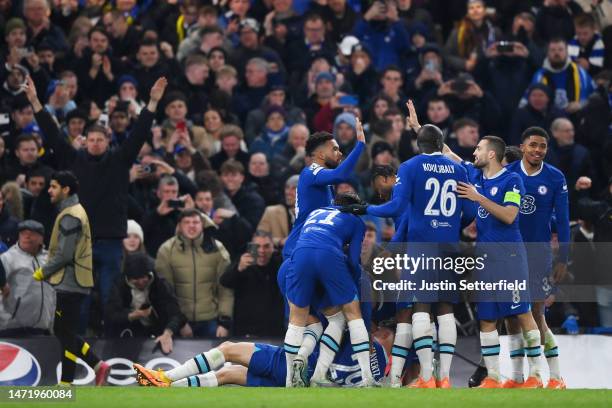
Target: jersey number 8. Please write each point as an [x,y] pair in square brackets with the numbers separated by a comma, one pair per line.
[448,199]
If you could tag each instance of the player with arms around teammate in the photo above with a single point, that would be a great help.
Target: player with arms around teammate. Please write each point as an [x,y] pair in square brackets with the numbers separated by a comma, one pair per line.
[425,194]
[319,261]
[263,365]
[545,193]
[498,192]
[315,190]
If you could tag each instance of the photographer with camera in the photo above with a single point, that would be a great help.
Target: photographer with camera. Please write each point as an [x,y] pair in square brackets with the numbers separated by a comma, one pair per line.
[160,224]
[258,305]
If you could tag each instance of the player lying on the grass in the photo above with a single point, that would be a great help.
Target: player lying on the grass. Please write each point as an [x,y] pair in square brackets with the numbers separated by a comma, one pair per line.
[263,365]
[314,191]
[319,262]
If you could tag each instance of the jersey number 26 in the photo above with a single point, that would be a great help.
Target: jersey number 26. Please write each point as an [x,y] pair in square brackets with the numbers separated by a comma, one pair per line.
[443,199]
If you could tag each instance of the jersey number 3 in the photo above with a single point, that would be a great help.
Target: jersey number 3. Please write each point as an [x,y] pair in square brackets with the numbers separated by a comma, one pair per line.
[443,198]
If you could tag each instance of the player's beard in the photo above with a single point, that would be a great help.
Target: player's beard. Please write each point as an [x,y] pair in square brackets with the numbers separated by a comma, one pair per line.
[330,164]
[479,164]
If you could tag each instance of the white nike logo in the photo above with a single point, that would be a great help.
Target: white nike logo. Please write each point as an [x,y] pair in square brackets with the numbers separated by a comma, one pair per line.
[514,307]
[477,185]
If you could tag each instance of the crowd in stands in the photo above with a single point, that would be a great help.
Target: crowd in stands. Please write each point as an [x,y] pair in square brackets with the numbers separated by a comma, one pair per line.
[190,200]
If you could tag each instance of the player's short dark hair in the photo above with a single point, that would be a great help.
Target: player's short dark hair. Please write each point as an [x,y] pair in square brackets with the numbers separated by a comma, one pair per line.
[383,171]
[317,139]
[25,137]
[534,131]
[430,139]
[512,154]
[497,145]
[66,178]
[347,198]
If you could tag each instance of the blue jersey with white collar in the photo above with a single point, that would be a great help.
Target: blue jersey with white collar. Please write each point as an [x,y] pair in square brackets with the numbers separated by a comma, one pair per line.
[505,188]
[424,198]
[545,194]
[315,190]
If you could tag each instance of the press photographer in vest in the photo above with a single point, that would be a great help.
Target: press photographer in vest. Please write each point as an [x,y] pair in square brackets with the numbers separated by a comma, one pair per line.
[69,270]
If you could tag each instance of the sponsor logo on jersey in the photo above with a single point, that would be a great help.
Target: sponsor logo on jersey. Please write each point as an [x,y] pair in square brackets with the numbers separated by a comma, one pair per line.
[18,366]
[527,204]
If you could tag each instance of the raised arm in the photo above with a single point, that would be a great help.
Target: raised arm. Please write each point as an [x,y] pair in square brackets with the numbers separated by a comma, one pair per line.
[344,170]
[142,128]
[52,137]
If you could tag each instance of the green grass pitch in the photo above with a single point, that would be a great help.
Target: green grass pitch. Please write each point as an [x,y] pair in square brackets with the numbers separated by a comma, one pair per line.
[115,397]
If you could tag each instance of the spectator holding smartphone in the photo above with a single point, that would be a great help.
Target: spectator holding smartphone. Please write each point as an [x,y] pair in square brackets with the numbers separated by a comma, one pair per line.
[160,224]
[258,308]
[143,304]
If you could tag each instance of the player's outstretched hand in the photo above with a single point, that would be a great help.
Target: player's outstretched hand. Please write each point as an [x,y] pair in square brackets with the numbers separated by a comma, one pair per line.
[356,209]
[360,132]
[413,120]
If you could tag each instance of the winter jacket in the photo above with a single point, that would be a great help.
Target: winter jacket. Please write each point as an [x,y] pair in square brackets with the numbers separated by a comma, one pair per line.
[193,268]
[30,304]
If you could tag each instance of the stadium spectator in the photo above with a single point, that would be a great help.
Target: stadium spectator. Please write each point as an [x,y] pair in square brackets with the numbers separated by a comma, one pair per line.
[382,32]
[392,82]
[103,175]
[556,71]
[573,159]
[267,184]
[345,133]
[323,105]
[540,111]
[232,138]
[177,128]
[249,204]
[439,114]
[143,304]
[256,119]
[195,83]
[258,305]
[273,138]
[160,224]
[8,224]
[27,306]
[314,44]
[40,28]
[587,46]
[466,44]
[295,151]
[124,37]
[361,74]
[556,19]
[278,219]
[26,159]
[465,138]
[192,262]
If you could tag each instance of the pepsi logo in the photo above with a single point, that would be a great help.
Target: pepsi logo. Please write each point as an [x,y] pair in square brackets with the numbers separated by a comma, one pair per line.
[18,366]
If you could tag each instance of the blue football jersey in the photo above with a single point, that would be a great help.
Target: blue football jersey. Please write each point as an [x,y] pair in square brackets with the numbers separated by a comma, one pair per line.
[331,229]
[425,199]
[345,371]
[315,190]
[545,194]
[504,188]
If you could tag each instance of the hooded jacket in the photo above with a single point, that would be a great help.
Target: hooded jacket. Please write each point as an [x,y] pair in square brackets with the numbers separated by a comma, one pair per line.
[193,268]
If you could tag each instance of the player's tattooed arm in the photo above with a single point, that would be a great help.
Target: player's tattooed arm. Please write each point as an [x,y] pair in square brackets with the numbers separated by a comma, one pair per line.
[506,214]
